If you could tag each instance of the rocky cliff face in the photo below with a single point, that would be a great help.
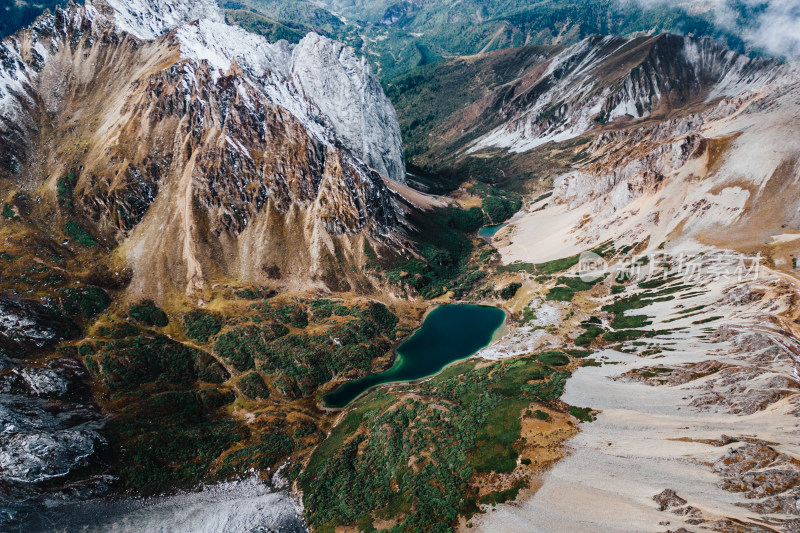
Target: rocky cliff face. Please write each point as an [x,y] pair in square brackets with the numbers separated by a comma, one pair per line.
[730,163]
[606,79]
[718,164]
[48,421]
[202,148]
[528,114]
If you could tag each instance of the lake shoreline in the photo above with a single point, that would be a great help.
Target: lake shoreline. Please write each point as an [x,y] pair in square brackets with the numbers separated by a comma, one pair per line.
[400,360]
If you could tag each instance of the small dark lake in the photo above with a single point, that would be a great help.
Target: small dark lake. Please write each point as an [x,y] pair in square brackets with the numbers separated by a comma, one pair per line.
[449,333]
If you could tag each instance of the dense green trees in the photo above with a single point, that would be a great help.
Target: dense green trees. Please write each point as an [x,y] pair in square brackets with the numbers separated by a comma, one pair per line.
[467,220]
[252,385]
[75,231]
[147,313]
[553,358]
[164,433]
[200,324]
[84,301]
[127,363]
[510,290]
[497,209]
[303,362]
[268,450]
[397,457]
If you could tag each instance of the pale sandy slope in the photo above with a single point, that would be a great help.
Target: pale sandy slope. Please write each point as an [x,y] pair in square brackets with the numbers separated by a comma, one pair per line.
[631,453]
[728,180]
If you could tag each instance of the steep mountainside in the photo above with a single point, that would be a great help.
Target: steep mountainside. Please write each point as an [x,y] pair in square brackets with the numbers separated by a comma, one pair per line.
[540,96]
[678,120]
[604,79]
[155,157]
[732,165]
[129,119]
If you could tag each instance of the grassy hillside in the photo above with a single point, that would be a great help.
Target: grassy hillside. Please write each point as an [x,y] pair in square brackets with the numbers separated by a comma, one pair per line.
[420,457]
[444,106]
[291,13]
[272,30]
[289,19]
[432,101]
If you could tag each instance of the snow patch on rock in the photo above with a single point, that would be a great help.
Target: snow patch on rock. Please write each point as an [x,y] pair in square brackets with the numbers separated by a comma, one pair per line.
[220,45]
[15,77]
[147,19]
[567,100]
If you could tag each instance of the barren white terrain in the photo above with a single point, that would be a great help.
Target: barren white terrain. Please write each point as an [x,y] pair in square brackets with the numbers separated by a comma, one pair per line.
[697,426]
[711,417]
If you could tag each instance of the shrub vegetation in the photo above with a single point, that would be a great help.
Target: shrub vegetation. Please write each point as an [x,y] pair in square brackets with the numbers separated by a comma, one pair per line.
[147,313]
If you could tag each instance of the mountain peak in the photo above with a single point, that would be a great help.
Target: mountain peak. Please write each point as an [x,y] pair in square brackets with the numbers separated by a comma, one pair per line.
[253,137]
[323,83]
[147,19]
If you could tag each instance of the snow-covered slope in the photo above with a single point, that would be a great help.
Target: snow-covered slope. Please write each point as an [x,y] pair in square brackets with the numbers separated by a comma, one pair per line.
[604,79]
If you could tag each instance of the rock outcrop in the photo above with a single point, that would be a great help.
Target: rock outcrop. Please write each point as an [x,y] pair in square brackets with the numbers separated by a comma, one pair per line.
[27,327]
[49,425]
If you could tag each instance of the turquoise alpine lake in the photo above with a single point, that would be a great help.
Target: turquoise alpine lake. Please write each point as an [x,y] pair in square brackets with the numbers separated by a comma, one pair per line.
[449,333]
[488,232]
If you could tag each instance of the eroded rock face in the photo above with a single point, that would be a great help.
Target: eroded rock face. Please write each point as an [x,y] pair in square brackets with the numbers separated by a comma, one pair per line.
[200,139]
[256,155]
[42,441]
[38,456]
[762,474]
[668,499]
[58,379]
[744,390]
[323,84]
[628,173]
[147,19]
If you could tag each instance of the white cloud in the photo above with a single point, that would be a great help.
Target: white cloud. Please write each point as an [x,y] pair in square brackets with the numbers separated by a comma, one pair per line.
[778,29]
[774,28]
